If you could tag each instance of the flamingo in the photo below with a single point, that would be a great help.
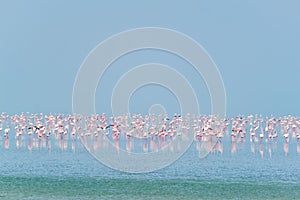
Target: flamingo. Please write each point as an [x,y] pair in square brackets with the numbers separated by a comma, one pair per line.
[6,131]
[286,137]
[261,135]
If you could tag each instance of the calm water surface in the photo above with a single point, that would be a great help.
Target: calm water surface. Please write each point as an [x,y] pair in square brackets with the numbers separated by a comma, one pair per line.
[241,172]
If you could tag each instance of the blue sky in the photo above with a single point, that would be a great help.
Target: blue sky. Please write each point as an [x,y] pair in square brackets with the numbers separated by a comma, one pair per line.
[255,45]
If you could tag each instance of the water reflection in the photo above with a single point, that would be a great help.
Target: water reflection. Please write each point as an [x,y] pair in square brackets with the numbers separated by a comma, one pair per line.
[152,144]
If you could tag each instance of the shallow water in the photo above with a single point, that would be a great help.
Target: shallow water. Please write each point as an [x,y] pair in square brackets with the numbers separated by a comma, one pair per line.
[75,174]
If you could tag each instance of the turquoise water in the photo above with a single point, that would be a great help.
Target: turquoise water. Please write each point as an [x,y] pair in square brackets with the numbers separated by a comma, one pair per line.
[74,174]
[96,188]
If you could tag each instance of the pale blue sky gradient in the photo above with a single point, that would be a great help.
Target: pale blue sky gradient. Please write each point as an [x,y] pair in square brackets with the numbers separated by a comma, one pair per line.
[255,44]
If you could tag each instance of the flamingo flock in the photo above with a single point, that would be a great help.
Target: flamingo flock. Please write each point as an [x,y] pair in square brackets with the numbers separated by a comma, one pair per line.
[38,130]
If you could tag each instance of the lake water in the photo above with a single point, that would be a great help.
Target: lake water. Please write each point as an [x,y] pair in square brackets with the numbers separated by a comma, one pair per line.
[242,171]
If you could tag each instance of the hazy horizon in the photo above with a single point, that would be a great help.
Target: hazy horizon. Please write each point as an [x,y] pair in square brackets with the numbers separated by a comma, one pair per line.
[254,44]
